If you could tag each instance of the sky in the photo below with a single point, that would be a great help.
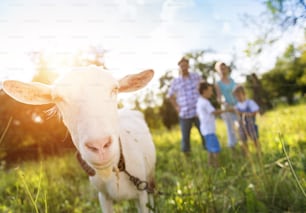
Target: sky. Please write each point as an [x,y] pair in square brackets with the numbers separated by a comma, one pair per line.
[137,34]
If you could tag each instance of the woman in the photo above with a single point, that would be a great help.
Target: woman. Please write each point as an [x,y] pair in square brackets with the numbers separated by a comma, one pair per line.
[224,89]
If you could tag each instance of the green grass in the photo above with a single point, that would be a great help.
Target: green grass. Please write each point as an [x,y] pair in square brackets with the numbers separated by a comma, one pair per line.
[186,184]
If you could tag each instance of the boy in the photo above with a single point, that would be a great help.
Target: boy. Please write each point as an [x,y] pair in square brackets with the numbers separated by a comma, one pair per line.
[247,110]
[206,113]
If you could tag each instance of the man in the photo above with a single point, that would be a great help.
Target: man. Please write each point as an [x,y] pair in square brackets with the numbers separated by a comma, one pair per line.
[183,94]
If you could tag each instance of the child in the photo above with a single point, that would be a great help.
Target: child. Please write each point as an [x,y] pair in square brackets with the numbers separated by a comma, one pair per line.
[247,110]
[206,113]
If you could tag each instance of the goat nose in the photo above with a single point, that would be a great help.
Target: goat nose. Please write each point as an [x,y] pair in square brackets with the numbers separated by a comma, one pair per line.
[99,146]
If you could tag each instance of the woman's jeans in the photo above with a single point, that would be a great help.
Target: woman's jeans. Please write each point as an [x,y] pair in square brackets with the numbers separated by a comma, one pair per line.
[229,119]
[186,124]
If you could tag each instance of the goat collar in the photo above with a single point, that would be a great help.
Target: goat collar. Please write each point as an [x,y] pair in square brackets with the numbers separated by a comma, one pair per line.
[141,185]
[121,163]
[91,172]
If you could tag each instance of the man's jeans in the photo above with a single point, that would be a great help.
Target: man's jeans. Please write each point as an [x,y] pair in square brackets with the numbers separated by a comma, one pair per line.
[186,124]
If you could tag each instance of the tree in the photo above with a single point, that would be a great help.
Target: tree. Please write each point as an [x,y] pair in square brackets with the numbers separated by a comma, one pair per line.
[197,60]
[280,19]
[288,76]
[166,110]
[258,93]
[32,133]
[146,103]
[93,55]
[43,74]
[287,13]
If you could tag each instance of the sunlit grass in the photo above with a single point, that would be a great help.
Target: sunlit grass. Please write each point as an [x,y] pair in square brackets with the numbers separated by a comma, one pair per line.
[186,184]
[53,185]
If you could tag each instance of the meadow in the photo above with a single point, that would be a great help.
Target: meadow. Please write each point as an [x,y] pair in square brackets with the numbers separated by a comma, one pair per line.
[276,182]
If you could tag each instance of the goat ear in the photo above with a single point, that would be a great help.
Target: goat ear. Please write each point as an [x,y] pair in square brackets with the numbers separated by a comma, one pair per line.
[29,93]
[135,82]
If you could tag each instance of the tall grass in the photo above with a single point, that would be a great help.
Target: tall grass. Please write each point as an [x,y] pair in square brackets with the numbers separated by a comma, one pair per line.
[186,184]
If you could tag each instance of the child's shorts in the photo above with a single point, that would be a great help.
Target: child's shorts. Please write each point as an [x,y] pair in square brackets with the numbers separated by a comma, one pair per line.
[248,130]
[212,143]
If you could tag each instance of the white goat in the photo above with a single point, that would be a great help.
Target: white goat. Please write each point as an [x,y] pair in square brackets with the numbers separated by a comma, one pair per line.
[86,99]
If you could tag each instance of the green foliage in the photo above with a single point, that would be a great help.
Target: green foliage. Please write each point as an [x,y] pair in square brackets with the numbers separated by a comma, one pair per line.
[287,13]
[274,6]
[31,133]
[206,69]
[258,93]
[287,77]
[151,114]
[167,112]
[186,183]
[255,47]
[43,74]
[279,20]
[44,186]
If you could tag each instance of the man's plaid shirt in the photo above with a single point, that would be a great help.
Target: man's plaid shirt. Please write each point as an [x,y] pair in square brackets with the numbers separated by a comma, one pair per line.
[186,91]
